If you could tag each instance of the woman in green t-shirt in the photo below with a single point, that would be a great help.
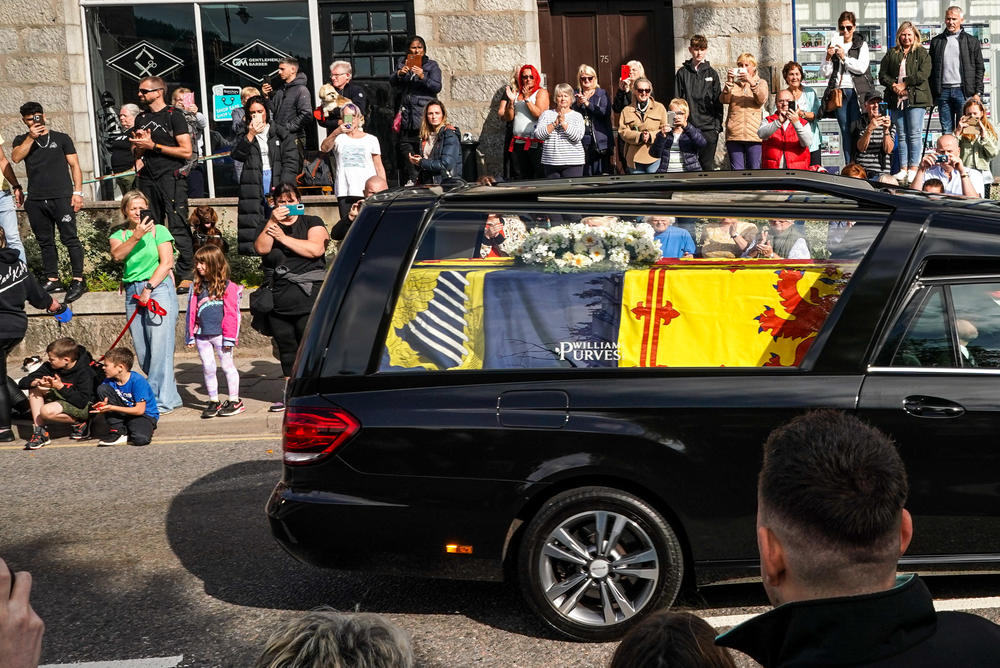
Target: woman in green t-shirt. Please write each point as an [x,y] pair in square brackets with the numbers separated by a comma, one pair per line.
[148,253]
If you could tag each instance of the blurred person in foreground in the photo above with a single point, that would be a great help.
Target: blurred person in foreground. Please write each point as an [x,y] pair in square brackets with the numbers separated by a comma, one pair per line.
[325,638]
[831,528]
[671,640]
[21,628]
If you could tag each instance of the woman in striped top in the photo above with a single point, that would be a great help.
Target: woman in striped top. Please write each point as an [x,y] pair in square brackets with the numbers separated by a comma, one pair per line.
[562,131]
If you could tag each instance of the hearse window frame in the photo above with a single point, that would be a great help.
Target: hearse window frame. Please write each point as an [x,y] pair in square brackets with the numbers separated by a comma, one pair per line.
[587,206]
[913,306]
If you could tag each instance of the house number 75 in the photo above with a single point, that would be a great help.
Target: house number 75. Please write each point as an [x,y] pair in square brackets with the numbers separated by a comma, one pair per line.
[605,59]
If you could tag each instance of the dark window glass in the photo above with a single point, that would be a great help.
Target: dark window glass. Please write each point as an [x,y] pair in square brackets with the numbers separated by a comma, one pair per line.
[977,323]
[928,341]
[371,43]
[380,21]
[399,43]
[397,21]
[341,44]
[362,67]
[383,67]
[341,22]
[359,21]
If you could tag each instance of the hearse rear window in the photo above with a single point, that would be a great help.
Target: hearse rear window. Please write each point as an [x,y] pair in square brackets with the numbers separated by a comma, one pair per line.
[517,289]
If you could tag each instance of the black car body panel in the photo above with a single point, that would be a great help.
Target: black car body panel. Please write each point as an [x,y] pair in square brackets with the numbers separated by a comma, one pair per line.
[467,457]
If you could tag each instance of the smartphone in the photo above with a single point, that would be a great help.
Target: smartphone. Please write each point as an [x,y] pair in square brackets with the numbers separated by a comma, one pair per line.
[671,118]
[791,105]
[187,99]
[741,71]
[38,119]
[883,108]
[413,60]
[144,214]
[296,209]
[626,72]
[348,121]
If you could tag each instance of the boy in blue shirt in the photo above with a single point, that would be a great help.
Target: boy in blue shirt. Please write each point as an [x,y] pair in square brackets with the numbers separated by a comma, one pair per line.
[127,401]
[676,242]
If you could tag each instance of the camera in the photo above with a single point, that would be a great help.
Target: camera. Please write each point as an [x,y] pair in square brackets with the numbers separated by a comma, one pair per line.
[941,158]
[671,118]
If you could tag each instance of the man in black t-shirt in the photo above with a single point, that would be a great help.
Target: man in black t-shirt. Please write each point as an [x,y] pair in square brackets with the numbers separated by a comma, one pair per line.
[160,137]
[872,138]
[55,194]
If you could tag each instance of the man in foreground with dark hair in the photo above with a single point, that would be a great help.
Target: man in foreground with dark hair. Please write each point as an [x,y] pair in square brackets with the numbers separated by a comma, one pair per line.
[830,528]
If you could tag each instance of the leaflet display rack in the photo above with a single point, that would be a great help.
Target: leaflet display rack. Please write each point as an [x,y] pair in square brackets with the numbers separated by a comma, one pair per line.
[816,24]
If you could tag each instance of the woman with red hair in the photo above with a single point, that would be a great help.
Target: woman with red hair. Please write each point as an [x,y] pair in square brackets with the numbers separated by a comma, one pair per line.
[524,102]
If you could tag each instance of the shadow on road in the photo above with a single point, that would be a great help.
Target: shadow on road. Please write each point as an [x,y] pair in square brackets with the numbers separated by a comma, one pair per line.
[218,530]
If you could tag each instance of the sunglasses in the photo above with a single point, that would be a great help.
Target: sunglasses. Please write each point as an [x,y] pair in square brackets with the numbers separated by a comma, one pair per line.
[847,28]
[527,76]
[643,90]
[147,91]
[586,78]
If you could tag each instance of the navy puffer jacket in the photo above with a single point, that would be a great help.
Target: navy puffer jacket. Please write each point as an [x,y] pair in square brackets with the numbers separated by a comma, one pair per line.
[414,93]
[445,161]
[690,142]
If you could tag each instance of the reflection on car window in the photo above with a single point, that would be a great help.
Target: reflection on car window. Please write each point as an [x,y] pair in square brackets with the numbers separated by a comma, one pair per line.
[512,289]
[927,343]
[977,323]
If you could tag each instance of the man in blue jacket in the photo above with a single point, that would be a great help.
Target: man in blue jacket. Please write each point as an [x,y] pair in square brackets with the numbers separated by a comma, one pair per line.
[956,69]
[830,529]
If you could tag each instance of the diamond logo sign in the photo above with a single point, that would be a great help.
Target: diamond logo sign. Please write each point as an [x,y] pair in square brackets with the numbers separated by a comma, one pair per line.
[255,61]
[143,60]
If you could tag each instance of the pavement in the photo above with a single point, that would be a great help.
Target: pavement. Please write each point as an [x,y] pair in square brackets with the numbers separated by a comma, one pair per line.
[261,384]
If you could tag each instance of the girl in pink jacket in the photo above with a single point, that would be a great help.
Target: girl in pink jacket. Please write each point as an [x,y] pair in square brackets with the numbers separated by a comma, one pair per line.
[213,325]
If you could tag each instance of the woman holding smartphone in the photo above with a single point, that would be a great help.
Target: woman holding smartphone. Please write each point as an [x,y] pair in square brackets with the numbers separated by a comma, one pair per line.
[269,159]
[293,246]
[358,157]
[148,253]
[846,65]
[745,93]
[807,106]
[440,154]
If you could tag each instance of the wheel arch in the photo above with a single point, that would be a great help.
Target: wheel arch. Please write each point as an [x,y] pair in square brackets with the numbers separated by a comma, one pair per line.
[536,501]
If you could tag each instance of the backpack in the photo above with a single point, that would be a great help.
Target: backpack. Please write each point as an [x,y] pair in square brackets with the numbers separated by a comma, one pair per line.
[315,172]
[195,132]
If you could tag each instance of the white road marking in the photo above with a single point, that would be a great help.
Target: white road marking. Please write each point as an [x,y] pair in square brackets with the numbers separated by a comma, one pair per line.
[946,605]
[162,662]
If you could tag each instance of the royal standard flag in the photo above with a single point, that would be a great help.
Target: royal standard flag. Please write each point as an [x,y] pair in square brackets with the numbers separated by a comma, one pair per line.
[732,313]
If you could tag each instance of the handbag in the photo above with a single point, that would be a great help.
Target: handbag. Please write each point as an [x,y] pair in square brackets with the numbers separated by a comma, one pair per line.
[598,151]
[833,98]
[397,121]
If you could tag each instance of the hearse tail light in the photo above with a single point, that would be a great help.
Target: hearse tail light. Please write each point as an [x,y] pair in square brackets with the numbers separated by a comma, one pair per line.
[311,433]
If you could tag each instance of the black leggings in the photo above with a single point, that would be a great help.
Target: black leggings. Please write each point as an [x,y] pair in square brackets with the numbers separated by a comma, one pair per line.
[9,394]
[287,331]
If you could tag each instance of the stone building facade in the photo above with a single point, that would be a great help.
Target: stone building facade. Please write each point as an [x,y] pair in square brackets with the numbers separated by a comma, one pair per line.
[478,44]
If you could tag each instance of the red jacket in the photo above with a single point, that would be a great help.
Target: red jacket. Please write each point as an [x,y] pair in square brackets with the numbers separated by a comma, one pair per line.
[784,141]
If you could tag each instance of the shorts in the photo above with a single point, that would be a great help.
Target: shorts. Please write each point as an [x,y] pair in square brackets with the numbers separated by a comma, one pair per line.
[75,412]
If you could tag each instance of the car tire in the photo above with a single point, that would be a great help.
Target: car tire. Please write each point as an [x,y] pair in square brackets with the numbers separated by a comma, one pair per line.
[597,592]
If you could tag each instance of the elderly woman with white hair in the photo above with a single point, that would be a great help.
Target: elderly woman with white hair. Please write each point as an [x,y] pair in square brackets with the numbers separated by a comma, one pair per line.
[562,131]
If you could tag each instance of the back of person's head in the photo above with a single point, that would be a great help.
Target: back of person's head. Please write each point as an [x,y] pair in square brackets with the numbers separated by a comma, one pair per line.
[671,640]
[854,170]
[122,356]
[64,347]
[832,490]
[31,108]
[933,186]
[325,638]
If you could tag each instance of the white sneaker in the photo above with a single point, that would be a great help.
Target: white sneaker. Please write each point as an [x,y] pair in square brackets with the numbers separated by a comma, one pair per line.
[910,175]
[900,175]
[113,439]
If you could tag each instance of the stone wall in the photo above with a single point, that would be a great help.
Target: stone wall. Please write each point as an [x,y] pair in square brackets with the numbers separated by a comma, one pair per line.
[478,44]
[41,59]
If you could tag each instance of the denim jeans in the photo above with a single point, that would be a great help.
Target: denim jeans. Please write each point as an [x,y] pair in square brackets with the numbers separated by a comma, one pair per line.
[950,104]
[909,122]
[153,338]
[847,113]
[8,221]
[644,169]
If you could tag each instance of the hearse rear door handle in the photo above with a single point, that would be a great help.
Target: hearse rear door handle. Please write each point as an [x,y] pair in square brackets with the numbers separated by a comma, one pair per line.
[932,407]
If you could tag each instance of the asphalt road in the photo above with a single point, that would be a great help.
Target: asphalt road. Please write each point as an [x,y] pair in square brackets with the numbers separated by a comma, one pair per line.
[164,551]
